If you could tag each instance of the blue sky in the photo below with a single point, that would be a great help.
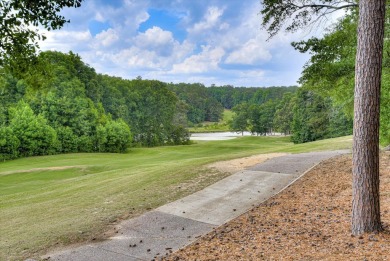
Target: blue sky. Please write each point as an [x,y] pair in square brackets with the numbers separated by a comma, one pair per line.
[208,41]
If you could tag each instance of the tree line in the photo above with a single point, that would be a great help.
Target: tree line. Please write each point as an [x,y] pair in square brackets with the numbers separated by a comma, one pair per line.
[62,105]
[303,114]
[330,72]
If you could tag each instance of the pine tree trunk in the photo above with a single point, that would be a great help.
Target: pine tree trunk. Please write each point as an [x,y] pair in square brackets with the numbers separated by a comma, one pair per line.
[365,187]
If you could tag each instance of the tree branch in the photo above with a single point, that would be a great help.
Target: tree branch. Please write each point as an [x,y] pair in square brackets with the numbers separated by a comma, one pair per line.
[298,13]
[329,6]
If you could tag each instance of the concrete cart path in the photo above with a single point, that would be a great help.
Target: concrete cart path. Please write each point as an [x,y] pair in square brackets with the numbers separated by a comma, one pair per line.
[177,224]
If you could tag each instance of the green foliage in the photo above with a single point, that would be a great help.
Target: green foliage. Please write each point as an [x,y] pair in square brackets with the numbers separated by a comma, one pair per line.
[154,108]
[35,135]
[331,68]
[340,124]
[315,117]
[330,71]
[296,14]
[115,137]
[240,121]
[9,144]
[304,114]
[283,116]
[92,112]
[201,105]
[310,119]
[68,141]
[230,96]
[261,118]
[179,136]
[18,42]
[384,128]
[11,91]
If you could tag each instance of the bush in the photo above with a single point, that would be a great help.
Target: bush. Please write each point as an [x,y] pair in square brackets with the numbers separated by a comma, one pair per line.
[179,136]
[9,144]
[35,135]
[115,136]
[68,141]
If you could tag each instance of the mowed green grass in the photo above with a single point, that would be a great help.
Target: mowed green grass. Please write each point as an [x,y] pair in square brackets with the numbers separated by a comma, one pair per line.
[52,201]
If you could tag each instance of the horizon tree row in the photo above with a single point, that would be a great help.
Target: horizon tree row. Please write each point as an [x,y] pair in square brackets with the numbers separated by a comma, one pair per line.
[304,115]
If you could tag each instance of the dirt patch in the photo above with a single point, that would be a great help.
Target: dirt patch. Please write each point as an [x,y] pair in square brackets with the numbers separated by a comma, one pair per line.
[236,165]
[310,220]
[43,169]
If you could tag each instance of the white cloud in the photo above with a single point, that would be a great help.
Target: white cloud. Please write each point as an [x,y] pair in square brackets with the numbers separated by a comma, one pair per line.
[107,38]
[205,61]
[137,20]
[65,41]
[210,20]
[155,49]
[252,52]
[136,58]
[156,39]
[214,36]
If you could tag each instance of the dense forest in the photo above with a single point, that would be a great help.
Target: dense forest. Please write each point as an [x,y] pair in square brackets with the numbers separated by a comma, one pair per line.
[330,72]
[61,105]
[303,114]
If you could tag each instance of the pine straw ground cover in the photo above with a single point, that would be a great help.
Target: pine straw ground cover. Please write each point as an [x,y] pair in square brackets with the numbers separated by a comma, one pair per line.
[310,220]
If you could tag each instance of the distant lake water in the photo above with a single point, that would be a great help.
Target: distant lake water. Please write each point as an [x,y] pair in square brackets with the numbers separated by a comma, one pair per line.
[218,135]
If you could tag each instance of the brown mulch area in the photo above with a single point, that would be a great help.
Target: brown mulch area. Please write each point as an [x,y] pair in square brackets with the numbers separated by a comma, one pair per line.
[310,220]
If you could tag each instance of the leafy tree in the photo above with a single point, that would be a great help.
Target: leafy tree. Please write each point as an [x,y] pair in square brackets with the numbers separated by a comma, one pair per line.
[68,141]
[284,114]
[11,91]
[180,116]
[261,117]
[297,14]
[179,136]
[230,96]
[201,105]
[340,123]
[35,135]
[17,21]
[310,119]
[240,121]
[68,106]
[115,136]
[366,207]
[153,112]
[214,110]
[331,69]
[9,144]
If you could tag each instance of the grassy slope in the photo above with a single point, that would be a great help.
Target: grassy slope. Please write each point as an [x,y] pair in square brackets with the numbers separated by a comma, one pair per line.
[45,207]
[222,125]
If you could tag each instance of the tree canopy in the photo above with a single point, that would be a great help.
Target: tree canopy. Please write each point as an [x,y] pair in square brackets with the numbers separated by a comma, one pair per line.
[297,14]
[19,21]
